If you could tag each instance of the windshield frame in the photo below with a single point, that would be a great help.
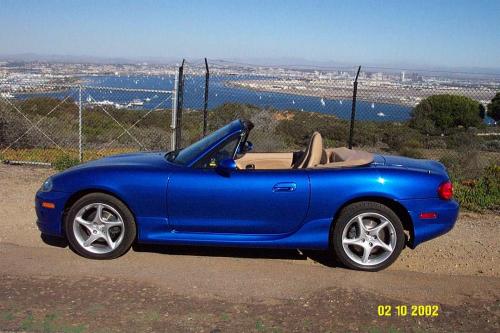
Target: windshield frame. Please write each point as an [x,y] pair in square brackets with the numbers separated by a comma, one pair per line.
[225,132]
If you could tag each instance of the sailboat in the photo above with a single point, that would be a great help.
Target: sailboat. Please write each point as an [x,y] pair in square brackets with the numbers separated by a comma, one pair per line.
[293,101]
[340,102]
[373,105]
[323,102]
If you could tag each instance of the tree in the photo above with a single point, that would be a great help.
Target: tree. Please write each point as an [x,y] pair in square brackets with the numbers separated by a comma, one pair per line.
[494,107]
[441,113]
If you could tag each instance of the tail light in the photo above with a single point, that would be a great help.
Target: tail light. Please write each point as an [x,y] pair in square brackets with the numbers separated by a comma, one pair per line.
[445,190]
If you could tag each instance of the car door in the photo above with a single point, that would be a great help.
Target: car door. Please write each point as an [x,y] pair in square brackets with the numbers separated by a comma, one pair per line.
[243,202]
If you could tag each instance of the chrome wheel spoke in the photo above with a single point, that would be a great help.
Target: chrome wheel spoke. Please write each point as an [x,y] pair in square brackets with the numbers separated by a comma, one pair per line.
[109,241]
[352,241]
[98,214]
[366,254]
[111,224]
[380,227]
[85,223]
[381,244]
[92,238]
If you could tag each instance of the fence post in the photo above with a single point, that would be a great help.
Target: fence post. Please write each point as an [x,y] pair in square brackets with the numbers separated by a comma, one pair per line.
[174,114]
[205,105]
[180,102]
[80,122]
[353,109]
[177,102]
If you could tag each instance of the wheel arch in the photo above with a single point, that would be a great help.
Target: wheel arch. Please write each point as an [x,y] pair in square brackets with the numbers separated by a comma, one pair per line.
[394,205]
[79,194]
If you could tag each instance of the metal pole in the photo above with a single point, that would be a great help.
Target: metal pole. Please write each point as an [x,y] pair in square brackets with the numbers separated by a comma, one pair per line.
[174,114]
[353,110]
[180,100]
[205,105]
[80,118]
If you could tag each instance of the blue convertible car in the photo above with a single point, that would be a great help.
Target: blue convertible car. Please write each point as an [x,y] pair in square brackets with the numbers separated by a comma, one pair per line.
[362,207]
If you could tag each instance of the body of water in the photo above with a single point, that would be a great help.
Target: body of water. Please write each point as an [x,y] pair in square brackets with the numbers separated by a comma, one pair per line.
[220,93]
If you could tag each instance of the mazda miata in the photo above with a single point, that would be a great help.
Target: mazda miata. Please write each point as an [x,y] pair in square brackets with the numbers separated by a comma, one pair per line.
[363,208]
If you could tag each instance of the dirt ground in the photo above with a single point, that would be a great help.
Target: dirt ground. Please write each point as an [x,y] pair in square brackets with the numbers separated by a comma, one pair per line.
[46,287]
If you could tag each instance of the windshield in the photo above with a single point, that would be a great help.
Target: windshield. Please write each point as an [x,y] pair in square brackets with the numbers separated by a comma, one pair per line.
[188,154]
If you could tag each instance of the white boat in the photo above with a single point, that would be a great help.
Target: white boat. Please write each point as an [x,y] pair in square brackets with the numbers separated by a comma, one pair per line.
[105,102]
[373,105]
[136,102]
[323,102]
[147,99]
[293,101]
[381,114]
[340,102]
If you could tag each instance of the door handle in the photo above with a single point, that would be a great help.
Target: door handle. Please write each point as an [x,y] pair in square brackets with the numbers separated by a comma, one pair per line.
[284,187]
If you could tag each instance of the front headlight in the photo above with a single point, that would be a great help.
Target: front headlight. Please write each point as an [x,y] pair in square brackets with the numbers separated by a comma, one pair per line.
[47,185]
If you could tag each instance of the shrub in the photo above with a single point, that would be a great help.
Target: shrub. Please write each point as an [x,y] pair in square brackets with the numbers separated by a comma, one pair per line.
[465,164]
[494,107]
[64,162]
[482,193]
[444,112]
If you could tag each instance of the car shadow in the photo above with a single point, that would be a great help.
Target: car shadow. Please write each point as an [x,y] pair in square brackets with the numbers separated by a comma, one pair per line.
[54,241]
[324,258]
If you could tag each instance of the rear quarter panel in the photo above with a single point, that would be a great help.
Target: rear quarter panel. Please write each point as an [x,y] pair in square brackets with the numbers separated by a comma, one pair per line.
[331,189]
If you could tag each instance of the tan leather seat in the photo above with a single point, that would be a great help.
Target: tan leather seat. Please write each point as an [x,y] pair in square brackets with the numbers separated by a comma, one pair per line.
[313,153]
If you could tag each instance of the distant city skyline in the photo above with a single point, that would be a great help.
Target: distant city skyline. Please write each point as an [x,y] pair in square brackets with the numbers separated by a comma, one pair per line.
[446,34]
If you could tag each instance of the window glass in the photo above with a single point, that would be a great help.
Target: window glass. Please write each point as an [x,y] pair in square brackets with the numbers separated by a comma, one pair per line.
[223,151]
[190,153]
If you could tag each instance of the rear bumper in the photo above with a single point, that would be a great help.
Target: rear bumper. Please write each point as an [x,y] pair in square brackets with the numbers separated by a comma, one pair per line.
[49,220]
[427,229]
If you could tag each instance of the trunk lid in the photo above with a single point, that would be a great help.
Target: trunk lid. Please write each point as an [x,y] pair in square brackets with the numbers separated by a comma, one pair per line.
[410,163]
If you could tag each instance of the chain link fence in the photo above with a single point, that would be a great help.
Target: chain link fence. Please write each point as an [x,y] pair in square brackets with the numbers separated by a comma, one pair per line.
[47,124]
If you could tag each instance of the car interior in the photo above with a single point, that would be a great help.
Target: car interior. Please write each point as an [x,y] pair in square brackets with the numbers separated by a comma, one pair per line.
[314,156]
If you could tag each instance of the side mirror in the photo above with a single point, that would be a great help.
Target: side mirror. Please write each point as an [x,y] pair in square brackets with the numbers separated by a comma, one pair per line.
[247,147]
[226,166]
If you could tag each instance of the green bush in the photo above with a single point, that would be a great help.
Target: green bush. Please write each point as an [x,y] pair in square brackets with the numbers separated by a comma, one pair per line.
[482,193]
[64,162]
[441,113]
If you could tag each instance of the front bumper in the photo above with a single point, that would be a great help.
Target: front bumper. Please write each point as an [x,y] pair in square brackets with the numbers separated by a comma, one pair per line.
[49,220]
[427,229]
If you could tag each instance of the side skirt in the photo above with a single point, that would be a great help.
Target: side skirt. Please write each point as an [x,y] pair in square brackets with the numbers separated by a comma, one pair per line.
[312,235]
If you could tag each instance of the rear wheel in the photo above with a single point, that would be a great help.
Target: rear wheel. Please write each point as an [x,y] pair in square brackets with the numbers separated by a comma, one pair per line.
[368,236]
[99,226]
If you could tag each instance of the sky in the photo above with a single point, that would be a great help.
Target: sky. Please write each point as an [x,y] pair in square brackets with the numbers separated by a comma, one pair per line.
[449,33]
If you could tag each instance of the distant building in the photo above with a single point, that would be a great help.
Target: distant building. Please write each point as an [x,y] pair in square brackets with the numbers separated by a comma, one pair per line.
[402,76]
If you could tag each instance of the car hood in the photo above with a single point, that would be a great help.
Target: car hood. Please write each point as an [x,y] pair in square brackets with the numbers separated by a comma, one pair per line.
[410,163]
[142,159]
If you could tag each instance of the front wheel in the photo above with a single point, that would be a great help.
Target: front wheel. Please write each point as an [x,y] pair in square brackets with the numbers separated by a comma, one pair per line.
[368,236]
[99,226]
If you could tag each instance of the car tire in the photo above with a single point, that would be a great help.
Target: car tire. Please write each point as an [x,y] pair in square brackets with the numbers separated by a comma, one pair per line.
[367,228]
[99,226]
